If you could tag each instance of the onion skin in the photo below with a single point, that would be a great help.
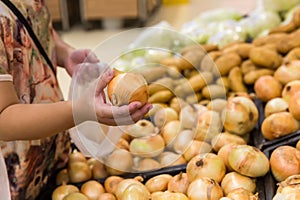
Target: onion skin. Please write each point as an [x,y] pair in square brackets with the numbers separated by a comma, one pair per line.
[158,183]
[205,189]
[183,140]
[294,105]
[135,191]
[141,128]
[164,115]
[77,156]
[168,196]
[62,177]
[75,196]
[234,180]
[113,164]
[278,125]
[79,172]
[92,189]
[98,168]
[284,162]
[248,160]
[288,72]
[147,164]
[169,158]
[196,147]
[107,196]
[61,191]
[224,153]
[169,133]
[125,88]
[137,186]
[290,89]
[240,115]
[241,193]
[206,165]
[276,105]
[189,113]
[267,87]
[224,138]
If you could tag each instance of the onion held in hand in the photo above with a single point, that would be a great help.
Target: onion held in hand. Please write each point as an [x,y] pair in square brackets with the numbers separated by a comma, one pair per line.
[125,88]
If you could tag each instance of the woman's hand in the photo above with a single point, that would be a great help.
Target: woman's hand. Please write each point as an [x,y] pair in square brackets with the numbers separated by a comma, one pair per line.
[76,57]
[92,105]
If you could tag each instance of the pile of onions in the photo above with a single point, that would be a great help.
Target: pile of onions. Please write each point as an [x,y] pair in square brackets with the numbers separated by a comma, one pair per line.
[248,160]
[284,162]
[205,189]
[206,165]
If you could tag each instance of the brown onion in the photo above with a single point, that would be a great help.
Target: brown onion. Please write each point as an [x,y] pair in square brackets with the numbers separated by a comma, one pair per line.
[126,183]
[62,177]
[290,89]
[61,191]
[147,147]
[147,164]
[294,105]
[170,131]
[267,87]
[125,88]
[276,105]
[205,189]
[284,162]
[113,164]
[77,156]
[241,193]
[107,196]
[288,72]
[79,172]
[234,180]
[92,189]
[111,183]
[158,183]
[206,165]
[224,153]
[278,125]
[196,147]
[224,138]
[76,196]
[166,195]
[169,158]
[240,115]
[248,160]
[208,125]
[98,168]
[135,191]
[179,183]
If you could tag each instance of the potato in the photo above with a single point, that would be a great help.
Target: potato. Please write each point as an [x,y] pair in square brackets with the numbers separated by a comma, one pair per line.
[163,96]
[223,81]
[242,49]
[165,83]
[191,60]
[214,91]
[289,42]
[269,39]
[252,76]
[248,66]
[235,79]
[154,73]
[293,54]
[285,28]
[265,57]
[226,62]
[208,61]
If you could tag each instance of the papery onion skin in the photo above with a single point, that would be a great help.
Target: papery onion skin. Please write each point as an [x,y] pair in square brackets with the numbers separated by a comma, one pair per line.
[147,164]
[170,131]
[135,191]
[224,153]
[290,89]
[288,72]
[169,158]
[267,87]
[92,189]
[76,196]
[248,160]
[284,162]
[79,172]
[107,196]
[294,105]
[206,165]
[141,128]
[111,183]
[158,183]
[241,193]
[124,184]
[196,147]
[205,189]
[189,113]
[179,183]
[164,115]
[113,164]
[234,180]
[275,105]
[224,138]
[168,196]
[278,125]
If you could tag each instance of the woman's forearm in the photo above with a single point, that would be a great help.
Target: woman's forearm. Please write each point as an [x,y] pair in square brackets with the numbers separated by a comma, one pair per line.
[35,121]
[62,50]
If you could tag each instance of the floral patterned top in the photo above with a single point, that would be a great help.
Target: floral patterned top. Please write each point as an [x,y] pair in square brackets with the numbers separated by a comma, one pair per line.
[30,164]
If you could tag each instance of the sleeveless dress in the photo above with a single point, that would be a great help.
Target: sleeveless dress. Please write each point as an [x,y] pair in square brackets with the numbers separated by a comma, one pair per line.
[30,164]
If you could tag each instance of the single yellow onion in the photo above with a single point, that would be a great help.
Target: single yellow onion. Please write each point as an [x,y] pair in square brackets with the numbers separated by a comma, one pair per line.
[92,189]
[276,105]
[241,193]
[61,191]
[166,195]
[127,87]
[158,183]
[294,105]
[248,160]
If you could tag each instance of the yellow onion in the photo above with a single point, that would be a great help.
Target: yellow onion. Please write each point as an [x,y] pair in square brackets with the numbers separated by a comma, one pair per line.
[155,107]
[205,189]
[122,144]
[141,128]
[76,196]
[278,125]
[166,195]
[111,183]
[295,195]
[267,87]
[276,105]
[290,89]
[234,180]
[248,160]
[79,172]
[288,72]
[158,183]
[169,132]
[298,145]
[92,189]
[107,196]
[206,165]
[196,147]
[189,113]
[132,185]
[240,115]
[113,164]
[125,88]
[290,184]
[224,153]
[179,183]
[62,177]
[61,191]
[164,115]
[147,147]
[76,156]
[183,140]
[169,158]
[241,193]
[98,168]
[146,164]
[294,105]
[208,125]
[284,162]
[224,138]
